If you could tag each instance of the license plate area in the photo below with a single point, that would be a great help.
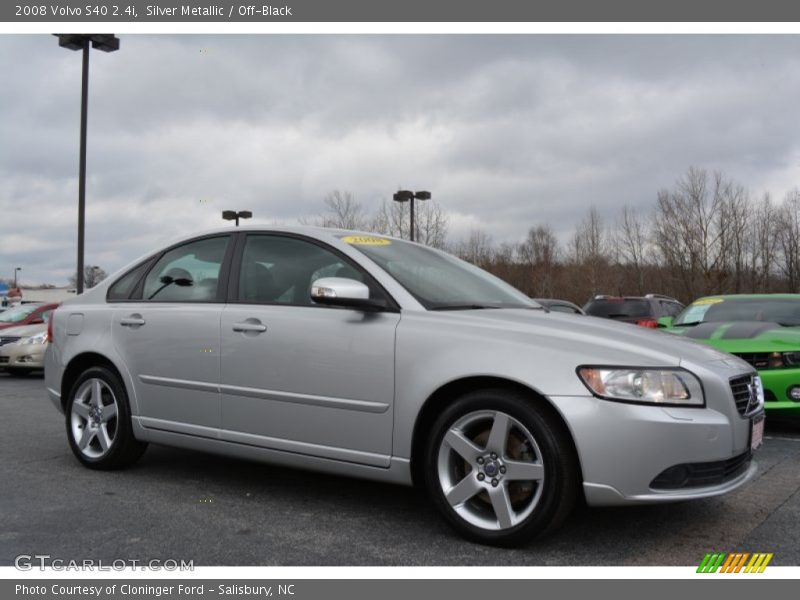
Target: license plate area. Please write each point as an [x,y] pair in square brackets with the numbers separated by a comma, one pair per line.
[757,432]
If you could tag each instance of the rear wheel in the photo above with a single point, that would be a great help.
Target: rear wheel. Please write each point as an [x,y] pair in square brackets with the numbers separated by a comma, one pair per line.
[500,468]
[99,423]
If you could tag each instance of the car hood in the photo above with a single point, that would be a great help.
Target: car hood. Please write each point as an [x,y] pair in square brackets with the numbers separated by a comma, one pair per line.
[743,336]
[24,330]
[596,336]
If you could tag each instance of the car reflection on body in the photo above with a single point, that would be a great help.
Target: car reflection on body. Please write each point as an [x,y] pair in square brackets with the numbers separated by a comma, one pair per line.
[369,356]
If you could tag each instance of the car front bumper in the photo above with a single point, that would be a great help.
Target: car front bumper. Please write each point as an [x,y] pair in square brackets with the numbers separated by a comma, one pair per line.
[624,448]
[22,356]
[776,387]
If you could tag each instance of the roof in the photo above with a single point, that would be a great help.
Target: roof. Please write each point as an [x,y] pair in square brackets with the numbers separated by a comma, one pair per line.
[752,297]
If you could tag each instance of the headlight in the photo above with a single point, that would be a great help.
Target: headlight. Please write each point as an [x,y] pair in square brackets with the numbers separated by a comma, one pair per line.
[790,359]
[676,387]
[39,338]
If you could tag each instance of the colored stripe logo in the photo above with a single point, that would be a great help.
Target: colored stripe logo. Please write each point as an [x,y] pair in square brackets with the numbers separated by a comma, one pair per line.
[736,562]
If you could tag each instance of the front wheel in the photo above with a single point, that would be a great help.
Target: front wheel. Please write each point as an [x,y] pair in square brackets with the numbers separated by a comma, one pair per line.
[99,421]
[500,468]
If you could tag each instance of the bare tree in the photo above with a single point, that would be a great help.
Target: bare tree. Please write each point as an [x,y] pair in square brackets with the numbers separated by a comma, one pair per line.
[690,234]
[764,236]
[342,211]
[476,248]
[631,245]
[538,257]
[391,219]
[789,239]
[589,256]
[431,224]
[92,275]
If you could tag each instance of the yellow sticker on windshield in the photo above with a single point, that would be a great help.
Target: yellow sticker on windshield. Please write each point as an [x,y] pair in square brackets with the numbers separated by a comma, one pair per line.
[365,240]
[703,301]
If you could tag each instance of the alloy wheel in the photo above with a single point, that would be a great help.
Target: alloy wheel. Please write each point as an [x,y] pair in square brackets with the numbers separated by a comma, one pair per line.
[94,418]
[490,470]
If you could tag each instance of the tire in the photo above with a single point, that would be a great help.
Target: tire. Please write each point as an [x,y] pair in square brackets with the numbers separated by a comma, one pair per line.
[101,437]
[500,468]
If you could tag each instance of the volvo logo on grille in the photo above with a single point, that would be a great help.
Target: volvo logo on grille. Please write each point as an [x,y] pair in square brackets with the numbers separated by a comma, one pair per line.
[752,400]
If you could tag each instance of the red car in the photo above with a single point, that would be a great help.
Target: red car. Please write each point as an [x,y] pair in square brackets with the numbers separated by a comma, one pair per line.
[25,314]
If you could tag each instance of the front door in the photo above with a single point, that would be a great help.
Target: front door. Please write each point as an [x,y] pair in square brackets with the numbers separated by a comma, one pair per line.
[301,377]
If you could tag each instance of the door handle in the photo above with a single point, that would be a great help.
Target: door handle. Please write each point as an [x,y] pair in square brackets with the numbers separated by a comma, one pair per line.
[250,327]
[132,321]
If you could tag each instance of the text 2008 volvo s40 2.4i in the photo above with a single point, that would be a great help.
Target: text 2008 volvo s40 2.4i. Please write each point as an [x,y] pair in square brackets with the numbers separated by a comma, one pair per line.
[374,357]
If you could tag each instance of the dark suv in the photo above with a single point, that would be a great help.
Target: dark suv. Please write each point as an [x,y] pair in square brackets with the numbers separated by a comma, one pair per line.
[639,310]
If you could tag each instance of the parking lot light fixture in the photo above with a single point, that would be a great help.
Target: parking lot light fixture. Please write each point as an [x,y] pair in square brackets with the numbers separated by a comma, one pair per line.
[409,196]
[105,42]
[232,215]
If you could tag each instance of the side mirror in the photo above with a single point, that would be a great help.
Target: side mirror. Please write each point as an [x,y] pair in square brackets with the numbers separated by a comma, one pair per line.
[665,322]
[340,291]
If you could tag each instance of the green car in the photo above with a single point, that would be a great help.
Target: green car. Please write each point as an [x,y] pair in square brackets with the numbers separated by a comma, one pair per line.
[762,329]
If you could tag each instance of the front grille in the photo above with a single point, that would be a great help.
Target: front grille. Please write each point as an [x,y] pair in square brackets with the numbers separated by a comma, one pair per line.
[697,475]
[3,360]
[744,393]
[759,360]
[8,340]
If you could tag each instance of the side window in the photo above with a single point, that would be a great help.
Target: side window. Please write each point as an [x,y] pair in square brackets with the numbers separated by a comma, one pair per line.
[670,309]
[280,270]
[125,285]
[188,273]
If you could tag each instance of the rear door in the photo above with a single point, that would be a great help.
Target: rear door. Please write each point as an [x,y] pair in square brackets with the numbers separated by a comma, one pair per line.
[169,340]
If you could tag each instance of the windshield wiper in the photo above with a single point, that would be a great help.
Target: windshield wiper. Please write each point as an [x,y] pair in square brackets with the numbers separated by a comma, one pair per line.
[689,324]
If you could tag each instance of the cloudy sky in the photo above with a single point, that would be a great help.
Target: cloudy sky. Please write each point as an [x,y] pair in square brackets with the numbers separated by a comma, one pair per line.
[506,131]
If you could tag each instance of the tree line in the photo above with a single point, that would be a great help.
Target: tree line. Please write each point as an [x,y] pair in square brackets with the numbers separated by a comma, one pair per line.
[706,235]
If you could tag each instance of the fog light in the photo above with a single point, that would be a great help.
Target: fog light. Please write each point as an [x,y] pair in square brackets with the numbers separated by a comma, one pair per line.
[794,393]
[672,479]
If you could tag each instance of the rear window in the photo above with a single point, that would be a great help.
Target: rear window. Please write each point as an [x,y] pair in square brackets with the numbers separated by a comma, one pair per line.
[615,308]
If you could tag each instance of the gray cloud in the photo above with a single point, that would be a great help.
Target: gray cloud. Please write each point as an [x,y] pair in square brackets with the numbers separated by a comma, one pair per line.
[507,131]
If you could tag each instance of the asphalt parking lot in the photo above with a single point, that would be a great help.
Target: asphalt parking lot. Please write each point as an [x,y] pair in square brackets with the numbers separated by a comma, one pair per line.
[176,504]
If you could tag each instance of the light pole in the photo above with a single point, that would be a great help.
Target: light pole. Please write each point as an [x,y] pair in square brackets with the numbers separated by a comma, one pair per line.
[15,275]
[106,42]
[409,196]
[232,215]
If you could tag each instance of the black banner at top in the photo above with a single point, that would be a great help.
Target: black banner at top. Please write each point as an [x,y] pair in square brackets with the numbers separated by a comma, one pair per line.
[460,11]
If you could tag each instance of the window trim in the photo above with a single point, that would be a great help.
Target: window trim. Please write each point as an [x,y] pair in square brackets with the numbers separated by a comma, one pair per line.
[236,267]
[147,264]
[224,270]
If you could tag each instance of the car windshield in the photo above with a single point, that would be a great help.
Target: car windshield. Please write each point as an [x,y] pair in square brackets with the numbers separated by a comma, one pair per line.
[17,314]
[618,308]
[436,279]
[784,311]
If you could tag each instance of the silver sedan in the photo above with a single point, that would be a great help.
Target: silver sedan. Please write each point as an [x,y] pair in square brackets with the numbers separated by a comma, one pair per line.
[374,357]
